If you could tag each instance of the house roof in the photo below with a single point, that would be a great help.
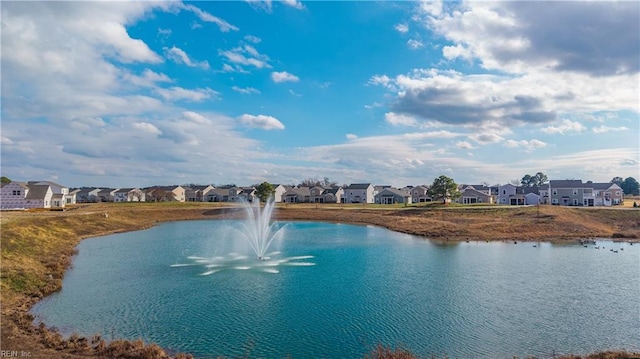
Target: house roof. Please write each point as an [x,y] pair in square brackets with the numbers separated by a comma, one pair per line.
[473,192]
[477,187]
[37,191]
[46,183]
[601,186]
[392,192]
[300,191]
[566,183]
[332,190]
[123,190]
[198,188]
[358,186]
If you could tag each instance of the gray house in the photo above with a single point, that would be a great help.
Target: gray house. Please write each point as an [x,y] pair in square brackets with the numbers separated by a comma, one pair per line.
[567,192]
[392,196]
[359,193]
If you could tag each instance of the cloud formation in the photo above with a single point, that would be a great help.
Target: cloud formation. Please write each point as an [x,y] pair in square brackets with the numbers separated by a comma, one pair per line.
[283,76]
[261,121]
[594,38]
[180,57]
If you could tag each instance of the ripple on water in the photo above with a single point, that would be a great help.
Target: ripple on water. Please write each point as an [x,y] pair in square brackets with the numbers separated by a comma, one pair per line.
[366,286]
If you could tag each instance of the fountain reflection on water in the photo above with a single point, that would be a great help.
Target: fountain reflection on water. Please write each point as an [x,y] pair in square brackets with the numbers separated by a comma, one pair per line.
[259,232]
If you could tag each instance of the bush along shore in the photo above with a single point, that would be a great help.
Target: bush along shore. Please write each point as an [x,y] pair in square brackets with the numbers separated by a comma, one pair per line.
[37,248]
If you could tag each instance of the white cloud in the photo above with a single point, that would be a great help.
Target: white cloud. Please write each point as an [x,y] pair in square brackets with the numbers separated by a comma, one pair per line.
[351,136]
[146,127]
[383,80]
[527,145]
[206,17]
[524,36]
[261,121]
[180,57]
[294,4]
[605,129]
[566,127]
[403,28]
[415,44]
[295,93]
[176,93]
[265,5]
[245,90]
[239,56]
[254,39]
[464,145]
[400,120]
[195,118]
[431,7]
[283,76]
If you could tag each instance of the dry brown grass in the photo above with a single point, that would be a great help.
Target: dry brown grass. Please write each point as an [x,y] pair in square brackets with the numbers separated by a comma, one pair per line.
[37,247]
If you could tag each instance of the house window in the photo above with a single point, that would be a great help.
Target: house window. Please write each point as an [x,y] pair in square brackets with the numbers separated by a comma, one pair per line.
[554,201]
[555,192]
[617,193]
[575,202]
[16,193]
[504,191]
[575,192]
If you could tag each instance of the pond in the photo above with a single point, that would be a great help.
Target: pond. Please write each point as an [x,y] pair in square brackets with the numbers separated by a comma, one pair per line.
[359,286]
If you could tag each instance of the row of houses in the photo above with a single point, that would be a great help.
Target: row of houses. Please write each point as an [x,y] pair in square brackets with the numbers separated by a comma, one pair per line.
[46,194]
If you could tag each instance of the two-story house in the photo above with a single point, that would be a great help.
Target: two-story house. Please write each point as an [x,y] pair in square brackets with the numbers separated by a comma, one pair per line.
[566,192]
[359,193]
[505,193]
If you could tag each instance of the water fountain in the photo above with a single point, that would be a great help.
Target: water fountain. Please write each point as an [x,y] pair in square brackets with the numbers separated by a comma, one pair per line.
[259,231]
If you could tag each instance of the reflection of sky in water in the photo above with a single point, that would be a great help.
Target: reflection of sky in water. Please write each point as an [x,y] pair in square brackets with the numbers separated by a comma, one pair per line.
[342,289]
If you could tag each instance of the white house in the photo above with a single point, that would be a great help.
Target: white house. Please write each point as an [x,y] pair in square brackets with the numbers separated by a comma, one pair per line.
[61,195]
[128,195]
[359,193]
[279,191]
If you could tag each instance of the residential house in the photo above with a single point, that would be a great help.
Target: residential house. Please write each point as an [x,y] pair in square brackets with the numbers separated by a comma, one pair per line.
[297,195]
[197,193]
[87,194]
[128,195]
[606,194]
[420,194]
[39,196]
[279,190]
[390,195]
[248,194]
[106,194]
[218,195]
[61,196]
[315,194]
[470,195]
[333,194]
[13,195]
[532,195]
[165,193]
[359,193]
[567,192]
[319,194]
[506,193]
[35,194]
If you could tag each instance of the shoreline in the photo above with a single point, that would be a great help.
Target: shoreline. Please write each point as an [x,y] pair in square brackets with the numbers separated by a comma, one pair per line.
[50,239]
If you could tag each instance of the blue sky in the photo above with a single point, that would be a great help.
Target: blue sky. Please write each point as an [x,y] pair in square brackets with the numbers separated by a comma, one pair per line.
[139,93]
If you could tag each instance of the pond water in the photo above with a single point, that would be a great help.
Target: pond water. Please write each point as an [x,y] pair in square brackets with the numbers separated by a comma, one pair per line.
[368,285]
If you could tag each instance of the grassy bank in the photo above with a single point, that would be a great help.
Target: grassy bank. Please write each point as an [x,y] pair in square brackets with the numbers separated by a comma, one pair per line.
[37,247]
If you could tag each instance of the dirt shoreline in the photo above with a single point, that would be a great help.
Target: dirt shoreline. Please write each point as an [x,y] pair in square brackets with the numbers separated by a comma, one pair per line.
[37,248]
